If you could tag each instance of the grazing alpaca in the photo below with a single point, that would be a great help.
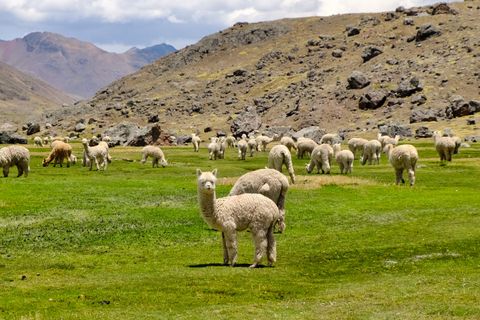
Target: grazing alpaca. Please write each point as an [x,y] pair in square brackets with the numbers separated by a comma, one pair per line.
[251,211]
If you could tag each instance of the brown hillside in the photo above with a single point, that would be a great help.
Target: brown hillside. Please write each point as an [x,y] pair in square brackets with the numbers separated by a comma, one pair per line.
[294,73]
[24,98]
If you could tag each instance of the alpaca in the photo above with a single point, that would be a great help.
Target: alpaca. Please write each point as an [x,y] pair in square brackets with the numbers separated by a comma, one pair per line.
[279,156]
[196,142]
[97,154]
[156,153]
[289,143]
[401,158]
[15,156]
[60,151]
[445,146]
[269,182]
[251,211]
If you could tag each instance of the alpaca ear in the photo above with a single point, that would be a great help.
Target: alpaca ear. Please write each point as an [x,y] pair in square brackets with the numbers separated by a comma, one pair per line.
[214,172]
[199,172]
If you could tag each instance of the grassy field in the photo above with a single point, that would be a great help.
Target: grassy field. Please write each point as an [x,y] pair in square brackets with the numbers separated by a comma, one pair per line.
[129,243]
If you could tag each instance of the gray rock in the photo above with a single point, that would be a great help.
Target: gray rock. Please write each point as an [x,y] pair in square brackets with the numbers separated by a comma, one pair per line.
[459,107]
[313,132]
[419,99]
[426,31]
[80,127]
[472,138]
[393,129]
[408,22]
[352,30]
[357,80]
[408,87]
[423,132]
[184,139]
[442,8]
[11,138]
[154,118]
[246,122]
[149,135]
[471,122]
[372,100]
[33,128]
[122,133]
[8,127]
[370,52]
[337,53]
[422,115]
[279,131]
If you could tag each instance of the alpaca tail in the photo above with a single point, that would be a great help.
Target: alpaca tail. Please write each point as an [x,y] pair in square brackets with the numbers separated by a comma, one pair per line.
[281,208]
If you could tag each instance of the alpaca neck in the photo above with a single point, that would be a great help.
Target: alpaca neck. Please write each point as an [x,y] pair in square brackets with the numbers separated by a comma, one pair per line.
[207,206]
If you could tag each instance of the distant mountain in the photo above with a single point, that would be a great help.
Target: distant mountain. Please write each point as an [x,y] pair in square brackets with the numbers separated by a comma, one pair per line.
[77,67]
[23,97]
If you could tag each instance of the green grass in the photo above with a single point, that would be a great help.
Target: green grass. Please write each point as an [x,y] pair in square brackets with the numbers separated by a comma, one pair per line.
[129,243]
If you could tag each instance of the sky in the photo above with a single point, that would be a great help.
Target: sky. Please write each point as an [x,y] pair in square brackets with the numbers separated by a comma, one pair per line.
[118,25]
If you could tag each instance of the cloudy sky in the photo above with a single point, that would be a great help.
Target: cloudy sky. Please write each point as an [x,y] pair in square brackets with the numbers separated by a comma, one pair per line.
[117,25]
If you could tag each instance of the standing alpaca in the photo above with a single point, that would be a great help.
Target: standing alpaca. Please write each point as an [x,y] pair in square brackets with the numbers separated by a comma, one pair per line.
[60,151]
[15,156]
[251,211]
[97,154]
[196,142]
[401,158]
[445,146]
[242,148]
[371,152]
[279,156]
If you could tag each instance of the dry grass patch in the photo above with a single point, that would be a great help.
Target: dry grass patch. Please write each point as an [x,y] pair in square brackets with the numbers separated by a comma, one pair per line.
[314,182]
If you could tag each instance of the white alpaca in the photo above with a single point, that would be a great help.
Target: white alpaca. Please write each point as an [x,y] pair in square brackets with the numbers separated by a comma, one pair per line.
[401,158]
[305,146]
[196,142]
[97,154]
[344,159]
[156,153]
[321,158]
[330,138]
[279,156]
[289,143]
[262,142]
[445,146]
[15,156]
[372,151]
[231,214]
[60,151]
[37,141]
[458,143]
[252,146]
[242,146]
[269,182]
[231,142]
[356,145]
[214,151]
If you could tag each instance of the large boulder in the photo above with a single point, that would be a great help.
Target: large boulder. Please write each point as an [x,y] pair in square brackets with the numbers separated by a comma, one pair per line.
[459,107]
[11,138]
[357,80]
[149,135]
[370,52]
[407,87]
[33,128]
[372,100]
[313,132]
[246,122]
[426,31]
[423,132]
[122,133]
[422,115]
[393,129]
[8,127]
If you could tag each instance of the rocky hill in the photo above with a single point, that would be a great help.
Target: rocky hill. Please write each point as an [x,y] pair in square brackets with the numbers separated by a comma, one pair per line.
[76,67]
[349,73]
[24,98]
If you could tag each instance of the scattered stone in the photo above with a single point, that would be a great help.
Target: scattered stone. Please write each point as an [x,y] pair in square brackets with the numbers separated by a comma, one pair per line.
[357,80]
[8,127]
[422,115]
[459,107]
[337,53]
[11,138]
[389,16]
[442,8]
[149,135]
[426,31]
[240,73]
[408,22]
[408,87]
[33,128]
[471,122]
[246,122]
[221,133]
[372,100]
[184,139]
[423,132]
[472,138]
[313,132]
[419,99]
[393,129]
[80,127]
[352,30]
[370,52]
[153,118]
[207,129]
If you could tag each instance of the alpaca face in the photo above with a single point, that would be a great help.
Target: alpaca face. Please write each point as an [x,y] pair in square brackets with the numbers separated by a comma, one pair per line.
[207,180]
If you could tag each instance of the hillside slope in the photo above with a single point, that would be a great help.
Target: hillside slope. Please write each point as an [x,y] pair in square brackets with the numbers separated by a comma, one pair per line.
[24,98]
[294,72]
[74,66]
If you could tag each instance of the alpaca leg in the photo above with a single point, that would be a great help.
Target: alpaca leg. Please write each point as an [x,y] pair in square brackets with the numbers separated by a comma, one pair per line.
[260,239]
[231,244]
[341,167]
[449,155]
[144,158]
[398,173]
[5,171]
[411,176]
[155,162]
[96,163]
[20,170]
[225,251]
[271,247]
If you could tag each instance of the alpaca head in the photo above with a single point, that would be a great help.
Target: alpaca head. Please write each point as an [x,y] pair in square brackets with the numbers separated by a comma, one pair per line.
[84,141]
[206,180]
[45,162]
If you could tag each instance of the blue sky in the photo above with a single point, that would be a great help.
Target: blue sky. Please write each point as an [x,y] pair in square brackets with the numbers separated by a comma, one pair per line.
[117,25]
